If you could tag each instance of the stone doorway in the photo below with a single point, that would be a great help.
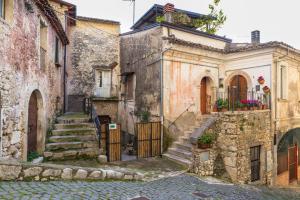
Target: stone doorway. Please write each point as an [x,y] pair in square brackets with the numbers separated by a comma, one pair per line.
[36,125]
[32,124]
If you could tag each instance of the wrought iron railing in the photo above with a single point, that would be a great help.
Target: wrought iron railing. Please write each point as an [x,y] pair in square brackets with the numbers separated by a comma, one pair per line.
[89,109]
[234,100]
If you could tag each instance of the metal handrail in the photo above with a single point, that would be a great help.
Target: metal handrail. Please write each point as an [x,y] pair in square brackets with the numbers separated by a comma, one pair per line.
[90,109]
[179,116]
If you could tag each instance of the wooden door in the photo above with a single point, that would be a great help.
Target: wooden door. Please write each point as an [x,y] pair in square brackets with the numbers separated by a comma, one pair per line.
[32,124]
[203,95]
[255,163]
[238,89]
[293,164]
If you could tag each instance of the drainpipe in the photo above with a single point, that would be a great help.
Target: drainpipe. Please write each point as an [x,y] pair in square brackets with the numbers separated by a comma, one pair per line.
[65,66]
[162,96]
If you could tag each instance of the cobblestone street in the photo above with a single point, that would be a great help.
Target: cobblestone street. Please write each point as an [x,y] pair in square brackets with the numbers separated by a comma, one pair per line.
[183,187]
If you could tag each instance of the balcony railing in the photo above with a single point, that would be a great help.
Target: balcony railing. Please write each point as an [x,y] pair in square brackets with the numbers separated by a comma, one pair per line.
[43,53]
[234,100]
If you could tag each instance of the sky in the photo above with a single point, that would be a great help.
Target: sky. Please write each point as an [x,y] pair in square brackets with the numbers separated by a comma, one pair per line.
[278,20]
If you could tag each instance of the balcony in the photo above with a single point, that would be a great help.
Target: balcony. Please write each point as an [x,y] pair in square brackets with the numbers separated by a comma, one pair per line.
[231,100]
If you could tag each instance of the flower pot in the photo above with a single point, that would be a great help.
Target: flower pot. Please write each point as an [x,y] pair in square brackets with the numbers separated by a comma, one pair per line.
[261,81]
[215,109]
[203,146]
[266,90]
[245,108]
[255,108]
[224,110]
[263,107]
[238,109]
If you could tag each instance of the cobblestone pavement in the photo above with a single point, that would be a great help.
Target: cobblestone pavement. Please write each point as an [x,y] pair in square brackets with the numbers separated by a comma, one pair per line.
[182,187]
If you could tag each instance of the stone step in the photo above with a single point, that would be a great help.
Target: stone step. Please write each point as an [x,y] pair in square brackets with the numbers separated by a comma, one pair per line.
[72,138]
[184,139]
[180,153]
[70,145]
[183,146]
[177,159]
[86,131]
[72,154]
[74,126]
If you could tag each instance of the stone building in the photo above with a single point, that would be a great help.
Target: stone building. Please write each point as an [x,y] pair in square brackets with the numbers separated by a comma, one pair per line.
[174,73]
[31,71]
[92,61]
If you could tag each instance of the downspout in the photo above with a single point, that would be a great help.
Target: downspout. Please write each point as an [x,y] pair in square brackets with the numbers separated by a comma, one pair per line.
[65,65]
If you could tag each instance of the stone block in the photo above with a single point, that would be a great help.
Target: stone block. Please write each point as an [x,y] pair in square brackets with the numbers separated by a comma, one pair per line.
[96,175]
[9,172]
[67,174]
[33,171]
[51,172]
[38,160]
[81,174]
[138,176]
[128,177]
[102,159]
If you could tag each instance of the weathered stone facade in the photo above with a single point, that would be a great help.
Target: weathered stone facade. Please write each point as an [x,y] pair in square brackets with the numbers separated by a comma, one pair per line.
[21,75]
[94,46]
[230,154]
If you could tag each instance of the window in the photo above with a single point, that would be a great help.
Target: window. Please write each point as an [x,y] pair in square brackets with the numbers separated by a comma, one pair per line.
[43,44]
[2,8]
[56,50]
[130,84]
[255,163]
[283,82]
[100,79]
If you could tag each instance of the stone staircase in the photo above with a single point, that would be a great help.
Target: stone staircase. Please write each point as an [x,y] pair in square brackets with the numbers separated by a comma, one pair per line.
[73,137]
[181,150]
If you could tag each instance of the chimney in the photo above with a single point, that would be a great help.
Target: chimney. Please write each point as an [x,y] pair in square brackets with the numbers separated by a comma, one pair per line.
[255,37]
[168,10]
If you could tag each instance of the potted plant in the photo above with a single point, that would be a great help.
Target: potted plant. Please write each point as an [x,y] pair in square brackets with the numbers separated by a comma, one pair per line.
[219,104]
[245,105]
[261,80]
[266,90]
[205,140]
[239,106]
[225,105]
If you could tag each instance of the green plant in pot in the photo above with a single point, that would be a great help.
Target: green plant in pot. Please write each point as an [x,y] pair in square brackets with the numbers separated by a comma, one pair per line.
[205,140]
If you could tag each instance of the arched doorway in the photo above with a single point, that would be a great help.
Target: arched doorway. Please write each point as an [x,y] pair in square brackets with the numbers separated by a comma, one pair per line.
[36,125]
[287,156]
[238,88]
[32,124]
[205,95]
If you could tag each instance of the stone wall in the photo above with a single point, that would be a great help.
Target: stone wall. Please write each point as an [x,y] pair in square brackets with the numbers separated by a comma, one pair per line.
[230,154]
[20,75]
[107,107]
[92,44]
[14,171]
[140,54]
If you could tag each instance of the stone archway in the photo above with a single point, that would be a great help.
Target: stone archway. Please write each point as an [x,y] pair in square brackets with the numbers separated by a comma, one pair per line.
[206,98]
[36,123]
[287,157]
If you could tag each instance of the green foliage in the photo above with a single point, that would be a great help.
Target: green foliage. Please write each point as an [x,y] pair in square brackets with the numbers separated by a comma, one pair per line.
[221,103]
[210,23]
[160,19]
[145,116]
[240,105]
[32,155]
[206,138]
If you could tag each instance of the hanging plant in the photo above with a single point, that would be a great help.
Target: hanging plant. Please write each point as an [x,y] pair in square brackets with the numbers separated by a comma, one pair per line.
[261,80]
[266,90]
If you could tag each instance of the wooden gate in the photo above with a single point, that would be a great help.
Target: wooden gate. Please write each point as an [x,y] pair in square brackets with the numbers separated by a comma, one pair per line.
[148,139]
[113,143]
[293,162]
[255,163]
